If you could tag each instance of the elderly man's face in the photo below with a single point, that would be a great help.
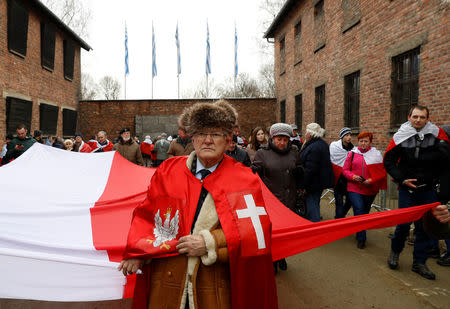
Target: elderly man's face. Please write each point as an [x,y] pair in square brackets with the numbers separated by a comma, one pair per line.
[209,145]
[101,138]
[22,133]
[125,136]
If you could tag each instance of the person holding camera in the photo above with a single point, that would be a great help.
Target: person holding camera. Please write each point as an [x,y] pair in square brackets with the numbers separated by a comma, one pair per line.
[365,176]
[414,159]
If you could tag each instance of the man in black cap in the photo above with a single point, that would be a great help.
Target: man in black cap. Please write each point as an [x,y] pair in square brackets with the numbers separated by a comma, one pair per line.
[128,148]
[237,153]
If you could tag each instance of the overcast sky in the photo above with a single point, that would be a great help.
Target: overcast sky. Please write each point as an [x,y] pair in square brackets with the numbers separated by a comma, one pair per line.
[106,36]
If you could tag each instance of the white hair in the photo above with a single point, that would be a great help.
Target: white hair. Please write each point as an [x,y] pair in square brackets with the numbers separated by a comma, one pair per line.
[315,130]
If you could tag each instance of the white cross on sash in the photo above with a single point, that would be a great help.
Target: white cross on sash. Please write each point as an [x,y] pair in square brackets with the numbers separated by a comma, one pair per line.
[253,213]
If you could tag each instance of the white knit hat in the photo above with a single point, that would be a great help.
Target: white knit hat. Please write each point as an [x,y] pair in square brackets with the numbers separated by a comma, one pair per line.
[315,130]
[281,129]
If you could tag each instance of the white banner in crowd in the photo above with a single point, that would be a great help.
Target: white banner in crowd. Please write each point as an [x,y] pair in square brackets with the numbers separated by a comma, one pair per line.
[53,227]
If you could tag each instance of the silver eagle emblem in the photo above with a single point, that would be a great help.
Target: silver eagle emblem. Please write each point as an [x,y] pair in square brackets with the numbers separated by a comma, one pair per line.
[165,231]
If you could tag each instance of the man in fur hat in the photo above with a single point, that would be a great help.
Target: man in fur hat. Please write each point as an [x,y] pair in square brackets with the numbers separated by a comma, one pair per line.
[203,225]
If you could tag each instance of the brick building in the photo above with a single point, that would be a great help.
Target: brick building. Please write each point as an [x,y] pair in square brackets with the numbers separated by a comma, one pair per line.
[361,63]
[156,116]
[39,70]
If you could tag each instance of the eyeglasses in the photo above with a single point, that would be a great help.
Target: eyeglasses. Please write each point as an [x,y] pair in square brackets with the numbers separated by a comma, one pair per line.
[215,136]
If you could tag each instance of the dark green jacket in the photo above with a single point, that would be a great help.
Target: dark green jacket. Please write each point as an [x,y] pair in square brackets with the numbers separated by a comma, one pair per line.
[13,153]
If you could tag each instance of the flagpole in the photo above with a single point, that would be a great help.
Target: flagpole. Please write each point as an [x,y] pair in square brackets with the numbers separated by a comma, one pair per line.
[126,61]
[207,94]
[177,43]
[235,57]
[208,59]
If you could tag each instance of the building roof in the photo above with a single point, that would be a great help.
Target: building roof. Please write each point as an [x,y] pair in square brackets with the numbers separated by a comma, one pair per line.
[288,5]
[60,24]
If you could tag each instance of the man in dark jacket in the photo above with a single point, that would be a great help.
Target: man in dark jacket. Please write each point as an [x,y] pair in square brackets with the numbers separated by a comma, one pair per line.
[315,159]
[128,148]
[19,144]
[237,153]
[180,146]
[414,159]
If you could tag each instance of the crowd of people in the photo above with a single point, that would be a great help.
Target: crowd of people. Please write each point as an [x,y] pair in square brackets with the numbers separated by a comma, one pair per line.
[296,171]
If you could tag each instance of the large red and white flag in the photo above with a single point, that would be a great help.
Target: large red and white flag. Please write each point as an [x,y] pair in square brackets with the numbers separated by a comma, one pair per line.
[65,217]
[64,220]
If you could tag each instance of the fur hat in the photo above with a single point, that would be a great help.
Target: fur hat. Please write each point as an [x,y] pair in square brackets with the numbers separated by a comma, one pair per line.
[202,116]
[281,129]
[315,130]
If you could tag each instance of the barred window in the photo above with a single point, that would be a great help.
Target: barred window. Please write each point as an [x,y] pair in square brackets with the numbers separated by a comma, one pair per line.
[298,37]
[17,28]
[319,105]
[18,111]
[48,35]
[351,100]
[299,112]
[48,118]
[319,25]
[283,111]
[405,85]
[282,56]
[69,122]
[69,56]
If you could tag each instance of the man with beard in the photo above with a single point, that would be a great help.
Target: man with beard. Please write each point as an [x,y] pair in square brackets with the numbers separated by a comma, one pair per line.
[128,148]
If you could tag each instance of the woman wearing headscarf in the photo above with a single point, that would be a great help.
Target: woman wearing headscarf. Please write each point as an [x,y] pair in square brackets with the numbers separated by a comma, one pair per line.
[278,165]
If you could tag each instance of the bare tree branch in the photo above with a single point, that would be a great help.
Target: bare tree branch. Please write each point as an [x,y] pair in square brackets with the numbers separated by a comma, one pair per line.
[72,13]
[109,87]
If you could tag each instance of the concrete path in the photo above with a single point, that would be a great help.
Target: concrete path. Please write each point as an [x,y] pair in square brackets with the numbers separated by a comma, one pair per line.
[337,275]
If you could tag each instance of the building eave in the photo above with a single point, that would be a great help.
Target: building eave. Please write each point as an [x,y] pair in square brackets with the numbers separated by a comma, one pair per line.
[288,5]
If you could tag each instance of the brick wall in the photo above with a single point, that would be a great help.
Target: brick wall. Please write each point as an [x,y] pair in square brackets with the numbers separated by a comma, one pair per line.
[364,35]
[26,78]
[112,116]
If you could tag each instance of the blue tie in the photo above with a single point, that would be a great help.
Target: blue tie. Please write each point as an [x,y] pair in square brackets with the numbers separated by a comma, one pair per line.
[204,173]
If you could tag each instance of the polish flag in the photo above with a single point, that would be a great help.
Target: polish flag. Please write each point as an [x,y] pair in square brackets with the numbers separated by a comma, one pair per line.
[374,162]
[407,131]
[64,220]
[65,217]
[337,156]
